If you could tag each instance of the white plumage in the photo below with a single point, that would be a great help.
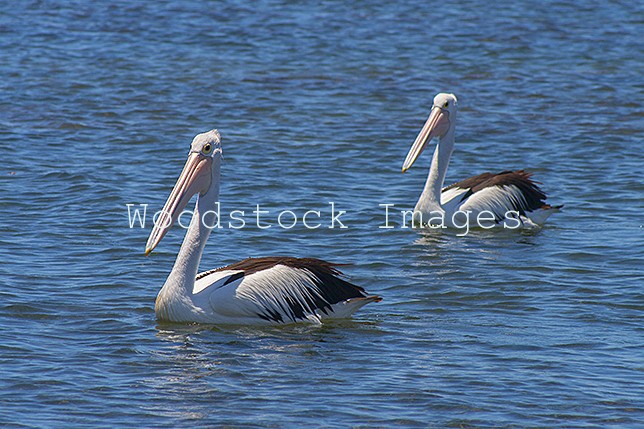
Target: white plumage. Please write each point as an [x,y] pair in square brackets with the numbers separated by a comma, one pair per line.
[253,291]
[510,197]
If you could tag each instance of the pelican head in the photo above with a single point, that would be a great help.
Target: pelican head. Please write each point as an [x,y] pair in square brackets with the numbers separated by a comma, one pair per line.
[200,175]
[440,121]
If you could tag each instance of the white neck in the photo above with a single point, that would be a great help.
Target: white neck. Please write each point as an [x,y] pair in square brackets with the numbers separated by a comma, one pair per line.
[430,199]
[182,277]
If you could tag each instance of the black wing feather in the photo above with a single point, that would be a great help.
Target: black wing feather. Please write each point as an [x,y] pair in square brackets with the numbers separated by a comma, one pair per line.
[331,288]
[534,197]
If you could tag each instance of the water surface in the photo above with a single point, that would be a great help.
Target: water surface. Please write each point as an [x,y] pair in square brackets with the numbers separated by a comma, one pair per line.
[319,102]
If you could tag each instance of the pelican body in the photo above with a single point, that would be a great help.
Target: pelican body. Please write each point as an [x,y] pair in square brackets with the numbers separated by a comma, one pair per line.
[509,198]
[273,290]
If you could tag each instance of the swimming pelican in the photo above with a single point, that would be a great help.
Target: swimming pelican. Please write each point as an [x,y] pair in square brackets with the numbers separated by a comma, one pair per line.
[270,290]
[509,198]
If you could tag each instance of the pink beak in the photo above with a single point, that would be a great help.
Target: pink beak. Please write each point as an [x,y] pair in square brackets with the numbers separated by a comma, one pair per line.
[436,126]
[195,178]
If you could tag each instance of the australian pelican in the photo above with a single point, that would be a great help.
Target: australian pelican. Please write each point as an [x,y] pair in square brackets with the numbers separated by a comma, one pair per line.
[508,198]
[270,290]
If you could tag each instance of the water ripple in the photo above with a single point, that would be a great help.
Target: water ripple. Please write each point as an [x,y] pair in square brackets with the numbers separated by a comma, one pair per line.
[319,103]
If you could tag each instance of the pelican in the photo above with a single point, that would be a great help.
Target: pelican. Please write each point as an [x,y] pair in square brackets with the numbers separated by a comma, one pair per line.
[509,198]
[273,290]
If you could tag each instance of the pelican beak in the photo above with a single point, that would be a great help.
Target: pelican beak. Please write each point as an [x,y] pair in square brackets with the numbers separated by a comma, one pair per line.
[436,126]
[196,177]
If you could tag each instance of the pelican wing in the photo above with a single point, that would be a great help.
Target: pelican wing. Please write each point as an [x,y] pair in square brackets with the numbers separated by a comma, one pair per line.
[498,193]
[215,279]
[284,290]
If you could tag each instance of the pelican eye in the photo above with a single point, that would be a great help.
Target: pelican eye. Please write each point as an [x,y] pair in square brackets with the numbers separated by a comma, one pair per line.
[207,149]
[446,105]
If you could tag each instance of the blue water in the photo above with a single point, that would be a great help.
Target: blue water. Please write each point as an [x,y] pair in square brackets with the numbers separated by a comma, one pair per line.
[316,103]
